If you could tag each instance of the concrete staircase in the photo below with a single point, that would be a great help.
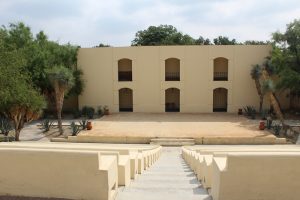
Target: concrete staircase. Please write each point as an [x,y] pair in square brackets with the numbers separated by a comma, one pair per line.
[172,141]
[169,178]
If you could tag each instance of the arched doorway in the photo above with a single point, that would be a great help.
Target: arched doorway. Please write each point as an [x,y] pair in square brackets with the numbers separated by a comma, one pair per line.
[220,69]
[172,100]
[172,69]
[220,100]
[125,100]
[124,69]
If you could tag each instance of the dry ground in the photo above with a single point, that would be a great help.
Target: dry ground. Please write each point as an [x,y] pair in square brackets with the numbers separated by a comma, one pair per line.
[176,125]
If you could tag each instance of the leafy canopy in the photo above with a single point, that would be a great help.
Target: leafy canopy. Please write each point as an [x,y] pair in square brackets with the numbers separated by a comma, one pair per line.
[285,58]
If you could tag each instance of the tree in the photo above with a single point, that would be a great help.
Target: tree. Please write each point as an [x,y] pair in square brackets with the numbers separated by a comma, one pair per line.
[223,40]
[161,35]
[256,42]
[62,80]
[202,41]
[286,57]
[256,75]
[19,101]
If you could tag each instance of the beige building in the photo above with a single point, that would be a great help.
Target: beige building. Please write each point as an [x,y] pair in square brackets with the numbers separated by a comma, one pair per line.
[200,79]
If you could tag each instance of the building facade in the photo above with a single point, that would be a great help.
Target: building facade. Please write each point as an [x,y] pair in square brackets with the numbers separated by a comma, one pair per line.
[188,79]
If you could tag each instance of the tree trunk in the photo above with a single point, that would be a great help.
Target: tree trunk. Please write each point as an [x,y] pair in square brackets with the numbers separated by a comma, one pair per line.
[261,102]
[275,104]
[59,98]
[261,96]
[17,135]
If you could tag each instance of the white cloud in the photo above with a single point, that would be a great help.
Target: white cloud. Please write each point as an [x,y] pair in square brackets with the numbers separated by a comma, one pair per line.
[89,22]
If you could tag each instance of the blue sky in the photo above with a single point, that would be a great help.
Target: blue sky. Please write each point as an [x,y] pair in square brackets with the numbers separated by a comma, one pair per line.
[90,22]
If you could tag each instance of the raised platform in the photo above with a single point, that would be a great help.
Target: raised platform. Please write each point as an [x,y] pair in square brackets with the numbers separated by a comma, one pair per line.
[215,128]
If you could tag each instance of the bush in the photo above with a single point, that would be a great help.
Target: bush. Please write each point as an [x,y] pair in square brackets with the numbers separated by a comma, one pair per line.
[277,127]
[88,112]
[76,113]
[100,111]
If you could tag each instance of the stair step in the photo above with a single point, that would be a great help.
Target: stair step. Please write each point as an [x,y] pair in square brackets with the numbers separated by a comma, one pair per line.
[172,141]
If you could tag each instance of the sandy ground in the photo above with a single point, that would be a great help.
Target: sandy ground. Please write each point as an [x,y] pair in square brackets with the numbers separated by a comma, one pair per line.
[176,125]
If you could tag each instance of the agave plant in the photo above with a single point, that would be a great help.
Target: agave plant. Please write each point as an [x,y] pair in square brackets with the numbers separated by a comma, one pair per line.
[250,111]
[75,129]
[83,123]
[46,125]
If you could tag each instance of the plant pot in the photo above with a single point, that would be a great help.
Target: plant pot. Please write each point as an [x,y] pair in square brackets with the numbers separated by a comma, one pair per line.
[89,126]
[262,125]
[106,112]
[240,111]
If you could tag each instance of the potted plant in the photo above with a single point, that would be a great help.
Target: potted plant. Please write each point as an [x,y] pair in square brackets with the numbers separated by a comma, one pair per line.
[240,111]
[262,125]
[89,125]
[106,110]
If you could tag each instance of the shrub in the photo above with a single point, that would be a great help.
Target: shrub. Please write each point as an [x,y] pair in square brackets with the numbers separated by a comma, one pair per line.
[269,122]
[277,127]
[76,113]
[88,112]
[100,111]
[264,114]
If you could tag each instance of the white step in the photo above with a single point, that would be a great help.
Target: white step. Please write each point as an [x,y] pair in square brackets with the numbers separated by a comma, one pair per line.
[172,141]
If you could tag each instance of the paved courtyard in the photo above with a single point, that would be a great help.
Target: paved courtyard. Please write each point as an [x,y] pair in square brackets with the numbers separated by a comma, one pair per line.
[176,125]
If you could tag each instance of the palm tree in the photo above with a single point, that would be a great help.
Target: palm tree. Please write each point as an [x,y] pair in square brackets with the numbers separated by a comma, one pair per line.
[268,89]
[62,80]
[256,75]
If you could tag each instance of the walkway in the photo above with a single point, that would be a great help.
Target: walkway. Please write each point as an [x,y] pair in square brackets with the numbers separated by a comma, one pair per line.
[169,178]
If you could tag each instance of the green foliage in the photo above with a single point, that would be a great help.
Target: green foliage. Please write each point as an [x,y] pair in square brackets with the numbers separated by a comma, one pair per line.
[62,76]
[100,111]
[268,86]
[88,112]
[83,123]
[269,122]
[250,111]
[76,113]
[46,125]
[102,45]
[223,40]
[202,41]
[286,56]
[256,42]
[256,72]
[264,114]
[277,127]
[75,129]
[40,54]
[5,126]
[161,35]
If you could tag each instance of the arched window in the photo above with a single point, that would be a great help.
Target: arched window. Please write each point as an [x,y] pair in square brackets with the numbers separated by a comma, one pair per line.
[172,69]
[125,100]
[125,69]
[220,100]
[220,69]
[172,100]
